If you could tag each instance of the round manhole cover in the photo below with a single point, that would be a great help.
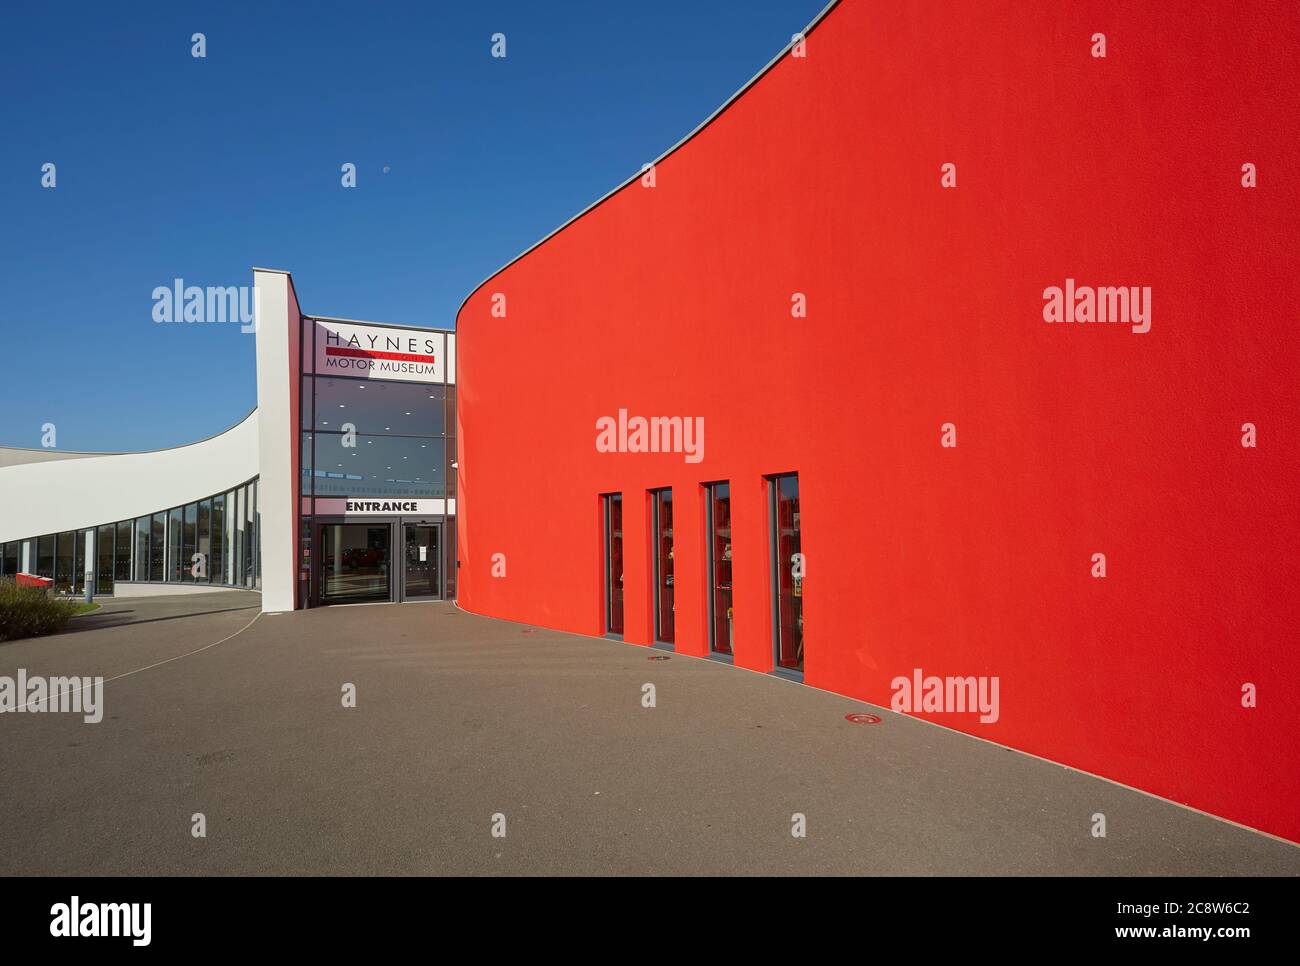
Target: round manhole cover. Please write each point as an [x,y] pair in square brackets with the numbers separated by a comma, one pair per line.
[861,717]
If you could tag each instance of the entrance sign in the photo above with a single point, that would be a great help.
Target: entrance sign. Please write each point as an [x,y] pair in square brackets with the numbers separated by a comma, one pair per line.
[364,507]
[380,352]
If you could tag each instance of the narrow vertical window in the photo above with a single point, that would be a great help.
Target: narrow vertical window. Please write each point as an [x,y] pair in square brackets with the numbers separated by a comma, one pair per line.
[122,552]
[158,547]
[45,556]
[174,569]
[614,563]
[142,525]
[104,559]
[204,545]
[787,572]
[721,628]
[249,502]
[63,556]
[217,562]
[662,507]
[189,524]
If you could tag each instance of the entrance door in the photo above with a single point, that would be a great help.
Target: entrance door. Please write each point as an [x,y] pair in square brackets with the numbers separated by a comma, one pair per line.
[420,576]
[355,563]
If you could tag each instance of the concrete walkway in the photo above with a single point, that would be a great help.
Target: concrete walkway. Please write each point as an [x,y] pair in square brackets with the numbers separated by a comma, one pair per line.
[460,718]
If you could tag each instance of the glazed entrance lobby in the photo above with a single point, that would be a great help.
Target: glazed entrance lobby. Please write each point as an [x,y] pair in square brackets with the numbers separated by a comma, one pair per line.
[377,449]
[358,562]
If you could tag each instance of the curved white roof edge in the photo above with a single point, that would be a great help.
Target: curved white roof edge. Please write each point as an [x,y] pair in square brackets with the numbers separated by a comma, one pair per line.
[55,454]
[637,175]
[94,489]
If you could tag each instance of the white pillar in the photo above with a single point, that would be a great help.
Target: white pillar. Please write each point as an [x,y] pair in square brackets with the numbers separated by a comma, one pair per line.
[279,380]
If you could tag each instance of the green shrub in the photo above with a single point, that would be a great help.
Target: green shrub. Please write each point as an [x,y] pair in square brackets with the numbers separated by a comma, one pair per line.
[31,611]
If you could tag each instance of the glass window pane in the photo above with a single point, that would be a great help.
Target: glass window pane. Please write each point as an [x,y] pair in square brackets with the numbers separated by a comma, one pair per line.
[12,560]
[665,626]
[63,554]
[104,559]
[721,630]
[787,576]
[304,452]
[250,534]
[231,549]
[614,563]
[216,561]
[45,556]
[355,562]
[203,540]
[157,547]
[383,466]
[238,575]
[175,567]
[142,526]
[79,563]
[185,568]
[122,552]
[369,406]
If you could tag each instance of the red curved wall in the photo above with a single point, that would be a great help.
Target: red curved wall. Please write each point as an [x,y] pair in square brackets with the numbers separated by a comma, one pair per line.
[925,306]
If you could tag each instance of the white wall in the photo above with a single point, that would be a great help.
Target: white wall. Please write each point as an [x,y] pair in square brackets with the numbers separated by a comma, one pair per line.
[72,494]
[279,372]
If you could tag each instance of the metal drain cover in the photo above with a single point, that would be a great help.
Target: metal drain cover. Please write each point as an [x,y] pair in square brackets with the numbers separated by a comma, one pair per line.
[861,717]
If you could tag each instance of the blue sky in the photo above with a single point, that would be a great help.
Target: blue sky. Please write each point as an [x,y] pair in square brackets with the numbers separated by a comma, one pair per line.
[170,166]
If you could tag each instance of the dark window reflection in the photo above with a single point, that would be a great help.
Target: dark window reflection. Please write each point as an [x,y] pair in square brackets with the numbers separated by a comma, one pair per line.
[788,571]
[122,552]
[614,563]
[45,556]
[104,559]
[63,564]
[665,628]
[721,629]
[158,547]
[370,406]
[354,563]
[379,466]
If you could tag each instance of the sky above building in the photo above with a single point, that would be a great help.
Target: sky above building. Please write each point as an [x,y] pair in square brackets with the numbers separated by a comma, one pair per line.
[169,166]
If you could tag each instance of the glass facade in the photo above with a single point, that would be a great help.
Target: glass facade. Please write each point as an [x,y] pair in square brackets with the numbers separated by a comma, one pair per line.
[157,547]
[787,572]
[371,433]
[380,466]
[721,629]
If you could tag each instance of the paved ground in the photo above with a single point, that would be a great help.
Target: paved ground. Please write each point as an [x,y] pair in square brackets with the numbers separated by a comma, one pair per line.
[459,718]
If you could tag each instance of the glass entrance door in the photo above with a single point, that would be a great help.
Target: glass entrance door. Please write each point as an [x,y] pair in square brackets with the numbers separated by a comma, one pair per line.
[355,563]
[420,576]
